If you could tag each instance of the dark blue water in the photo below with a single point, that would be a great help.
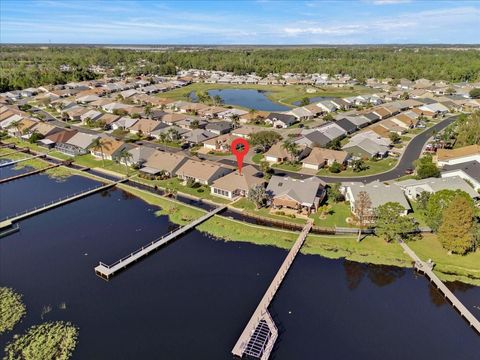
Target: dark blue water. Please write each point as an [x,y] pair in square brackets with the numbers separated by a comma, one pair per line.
[248,98]
[32,191]
[192,298]
[11,170]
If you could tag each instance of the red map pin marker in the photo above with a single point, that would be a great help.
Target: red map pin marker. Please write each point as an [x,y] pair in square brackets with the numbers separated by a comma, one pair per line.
[240,154]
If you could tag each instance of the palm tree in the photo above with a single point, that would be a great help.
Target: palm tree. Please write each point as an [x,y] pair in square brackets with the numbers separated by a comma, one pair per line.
[15,125]
[98,145]
[235,120]
[291,148]
[126,157]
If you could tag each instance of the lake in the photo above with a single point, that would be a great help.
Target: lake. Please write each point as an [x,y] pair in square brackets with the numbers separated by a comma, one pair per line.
[247,98]
[314,100]
[192,298]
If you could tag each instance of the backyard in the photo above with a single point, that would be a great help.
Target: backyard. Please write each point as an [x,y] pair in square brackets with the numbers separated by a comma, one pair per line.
[374,167]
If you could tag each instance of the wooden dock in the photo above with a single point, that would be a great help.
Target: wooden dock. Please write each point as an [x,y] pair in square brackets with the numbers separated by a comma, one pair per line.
[21,160]
[107,271]
[33,172]
[249,343]
[427,269]
[9,221]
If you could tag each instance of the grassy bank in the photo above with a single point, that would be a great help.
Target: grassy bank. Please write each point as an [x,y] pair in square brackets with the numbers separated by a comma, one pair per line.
[60,172]
[285,95]
[372,250]
[178,213]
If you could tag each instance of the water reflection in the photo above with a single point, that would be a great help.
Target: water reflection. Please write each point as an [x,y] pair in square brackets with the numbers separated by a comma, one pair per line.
[380,275]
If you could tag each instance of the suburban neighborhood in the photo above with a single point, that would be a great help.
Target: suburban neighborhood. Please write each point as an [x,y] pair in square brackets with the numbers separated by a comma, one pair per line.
[246,179]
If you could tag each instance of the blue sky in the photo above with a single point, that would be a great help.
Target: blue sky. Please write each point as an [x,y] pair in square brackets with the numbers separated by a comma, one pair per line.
[239,22]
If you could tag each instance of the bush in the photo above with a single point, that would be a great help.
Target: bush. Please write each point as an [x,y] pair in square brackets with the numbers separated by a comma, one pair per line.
[12,309]
[48,341]
[280,212]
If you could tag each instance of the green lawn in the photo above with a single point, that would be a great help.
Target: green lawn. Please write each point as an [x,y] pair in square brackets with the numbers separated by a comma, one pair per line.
[178,213]
[286,95]
[337,216]
[371,249]
[374,167]
[465,268]
[202,192]
[249,208]
[257,158]
[288,166]
[90,161]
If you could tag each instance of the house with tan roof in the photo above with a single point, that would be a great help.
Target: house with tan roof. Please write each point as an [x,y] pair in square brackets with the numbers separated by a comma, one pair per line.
[300,195]
[404,119]
[146,126]
[172,119]
[109,149]
[43,129]
[320,157]
[163,162]
[246,131]
[22,127]
[382,112]
[61,137]
[458,156]
[203,172]
[253,116]
[234,185]
[211,112]
[220,143]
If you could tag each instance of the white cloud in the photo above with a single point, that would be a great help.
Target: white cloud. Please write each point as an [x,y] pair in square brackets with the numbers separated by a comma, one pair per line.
[390,2]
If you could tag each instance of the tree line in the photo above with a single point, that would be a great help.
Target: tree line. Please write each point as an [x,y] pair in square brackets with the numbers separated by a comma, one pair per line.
[30,66]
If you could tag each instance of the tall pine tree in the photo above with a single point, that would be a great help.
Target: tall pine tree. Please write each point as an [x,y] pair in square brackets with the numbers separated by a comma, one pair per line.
[456,230]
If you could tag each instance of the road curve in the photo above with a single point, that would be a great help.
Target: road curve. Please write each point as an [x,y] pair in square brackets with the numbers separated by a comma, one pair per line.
[412,152]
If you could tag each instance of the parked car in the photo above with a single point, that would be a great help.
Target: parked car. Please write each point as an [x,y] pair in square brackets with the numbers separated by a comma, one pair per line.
[409,171]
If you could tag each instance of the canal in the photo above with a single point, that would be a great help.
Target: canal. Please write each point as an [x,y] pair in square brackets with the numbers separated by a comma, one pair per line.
[192,298]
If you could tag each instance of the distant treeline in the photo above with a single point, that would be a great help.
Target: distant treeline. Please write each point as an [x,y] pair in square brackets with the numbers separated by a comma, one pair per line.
[23,66]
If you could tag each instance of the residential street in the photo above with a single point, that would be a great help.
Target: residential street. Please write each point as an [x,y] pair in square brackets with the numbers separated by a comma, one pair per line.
[412,152]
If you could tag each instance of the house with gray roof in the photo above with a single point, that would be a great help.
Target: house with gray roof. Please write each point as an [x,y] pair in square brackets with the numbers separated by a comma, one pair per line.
[413,188]
[347,125]
[313,139]
[300,195]
[378,194]
[367,144]
[219,127]
[332,131]
[281,120]
[198,136]
[78,144]
[469,171]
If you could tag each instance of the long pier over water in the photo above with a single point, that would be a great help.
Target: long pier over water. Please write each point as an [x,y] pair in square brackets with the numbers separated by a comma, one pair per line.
[259,336]
[7,222]
[426,269]
[106,271]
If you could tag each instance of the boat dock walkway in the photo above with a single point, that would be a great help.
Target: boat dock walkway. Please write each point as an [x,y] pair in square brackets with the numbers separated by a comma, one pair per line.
[33,172]
[427,269]
[7,222]
[21,160]
[106,271]
[260,333]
